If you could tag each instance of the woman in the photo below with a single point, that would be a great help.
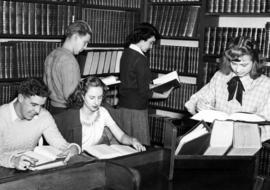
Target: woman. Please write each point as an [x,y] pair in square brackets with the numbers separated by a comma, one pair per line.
[86,125]
[238,86]
[135,77]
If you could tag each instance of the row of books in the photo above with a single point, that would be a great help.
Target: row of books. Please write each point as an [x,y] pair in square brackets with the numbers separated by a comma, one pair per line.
[8,92]
[112,96]
[24,59]
[264,161]
[168,58]
[110,26]
[115,3]
[267,40]
[217,38]
[178,97]
[173,1]
[174,21]
[238,6]
[209,70]
[35,18]
[222,138]
[99,62]
[156,126]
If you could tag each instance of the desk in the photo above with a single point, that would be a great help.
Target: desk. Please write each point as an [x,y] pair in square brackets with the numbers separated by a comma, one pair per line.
[81,174]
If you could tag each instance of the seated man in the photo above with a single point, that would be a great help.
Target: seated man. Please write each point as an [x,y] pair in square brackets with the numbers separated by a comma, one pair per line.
[23,122]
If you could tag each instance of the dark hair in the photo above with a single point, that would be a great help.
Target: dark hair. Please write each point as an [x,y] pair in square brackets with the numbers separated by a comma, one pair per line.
[75,100]
[238,47]
[80,27]
[143,31]
[32,87]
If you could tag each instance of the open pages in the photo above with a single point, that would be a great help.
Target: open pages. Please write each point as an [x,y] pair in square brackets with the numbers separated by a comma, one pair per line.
[47,157]
[103,151]
[165,82]
[211,115]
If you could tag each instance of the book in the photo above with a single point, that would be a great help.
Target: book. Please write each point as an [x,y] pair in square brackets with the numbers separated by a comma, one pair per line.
[110,80]
[221,138]
[246,139]
[104,151]
[211,115]
[47,157]
[195,141]
[165,82]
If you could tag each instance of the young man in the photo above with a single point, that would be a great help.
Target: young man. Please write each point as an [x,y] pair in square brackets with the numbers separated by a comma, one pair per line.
[61,69]
[23,122]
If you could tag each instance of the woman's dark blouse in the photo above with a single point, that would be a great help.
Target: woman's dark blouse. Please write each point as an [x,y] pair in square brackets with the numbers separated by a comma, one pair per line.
[135,76]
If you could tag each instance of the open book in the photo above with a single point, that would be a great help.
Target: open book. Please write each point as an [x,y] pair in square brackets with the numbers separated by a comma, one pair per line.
[211,115]
[110,80]
[47,157]
[165,82]
[221,138]
[246,139]
[103,151]
[195,141]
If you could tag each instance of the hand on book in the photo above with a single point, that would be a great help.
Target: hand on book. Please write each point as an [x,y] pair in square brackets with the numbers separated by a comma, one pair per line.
[71,151]
[137,145]
[23,162]
[204,105]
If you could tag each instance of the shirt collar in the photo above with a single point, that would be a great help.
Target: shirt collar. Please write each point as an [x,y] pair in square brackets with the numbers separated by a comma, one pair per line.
[136,48]
[13,113]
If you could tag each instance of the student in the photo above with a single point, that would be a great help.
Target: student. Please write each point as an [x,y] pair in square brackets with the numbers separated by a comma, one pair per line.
[135,77]
[239,85]
[23,122]
[61,69]
[86,124]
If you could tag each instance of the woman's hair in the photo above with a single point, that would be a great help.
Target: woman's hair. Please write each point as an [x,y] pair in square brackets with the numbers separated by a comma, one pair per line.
[78,27]
[75,100]
[143,31]
[239,47]
[33,87]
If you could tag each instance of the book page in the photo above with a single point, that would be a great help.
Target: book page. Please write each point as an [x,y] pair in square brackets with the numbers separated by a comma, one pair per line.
[221,138]
[197,132]
[41,158]
[246,139]
[210,115]
[102,151]
[123,149]
[48,151]
[241,116]
[166,78]
[48,165]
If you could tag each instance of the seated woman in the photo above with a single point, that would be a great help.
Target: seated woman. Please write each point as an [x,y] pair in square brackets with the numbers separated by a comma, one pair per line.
[85,123]
[239,85]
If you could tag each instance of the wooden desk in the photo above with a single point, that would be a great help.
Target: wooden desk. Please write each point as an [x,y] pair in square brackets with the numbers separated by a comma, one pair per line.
[91,174]
[209,172]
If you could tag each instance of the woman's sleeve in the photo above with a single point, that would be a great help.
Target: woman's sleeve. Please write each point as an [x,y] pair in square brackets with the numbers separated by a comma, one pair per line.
[206,93]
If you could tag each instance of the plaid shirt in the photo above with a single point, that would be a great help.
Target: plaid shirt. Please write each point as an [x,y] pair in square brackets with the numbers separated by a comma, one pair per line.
[256,97]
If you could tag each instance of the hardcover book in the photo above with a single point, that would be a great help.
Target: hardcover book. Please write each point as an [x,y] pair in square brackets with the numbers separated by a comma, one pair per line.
[47,156]
[165,82]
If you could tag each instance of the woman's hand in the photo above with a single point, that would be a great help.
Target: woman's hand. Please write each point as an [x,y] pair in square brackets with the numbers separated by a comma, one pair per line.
[23,162]
[204,105]
[137,145]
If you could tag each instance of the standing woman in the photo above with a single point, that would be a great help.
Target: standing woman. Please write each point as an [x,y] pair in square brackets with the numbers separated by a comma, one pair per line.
[135,76]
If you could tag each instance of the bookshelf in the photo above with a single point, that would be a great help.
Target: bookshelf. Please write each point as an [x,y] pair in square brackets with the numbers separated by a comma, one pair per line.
[229,18]
[29,31]
[111,22]
[179,24]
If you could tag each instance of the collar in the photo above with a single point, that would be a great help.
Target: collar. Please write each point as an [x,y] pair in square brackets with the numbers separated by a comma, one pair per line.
[13,113]
[136,48]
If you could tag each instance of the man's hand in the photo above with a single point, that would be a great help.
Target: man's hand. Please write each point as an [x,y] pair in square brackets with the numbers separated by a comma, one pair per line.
[23,162]
[71,151]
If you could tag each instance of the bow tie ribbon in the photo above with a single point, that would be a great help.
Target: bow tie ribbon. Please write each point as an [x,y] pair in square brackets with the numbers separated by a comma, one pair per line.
[235,85]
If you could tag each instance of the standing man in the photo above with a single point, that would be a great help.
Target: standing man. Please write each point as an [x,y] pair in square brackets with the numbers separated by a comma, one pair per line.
[61,69]
[23,122]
